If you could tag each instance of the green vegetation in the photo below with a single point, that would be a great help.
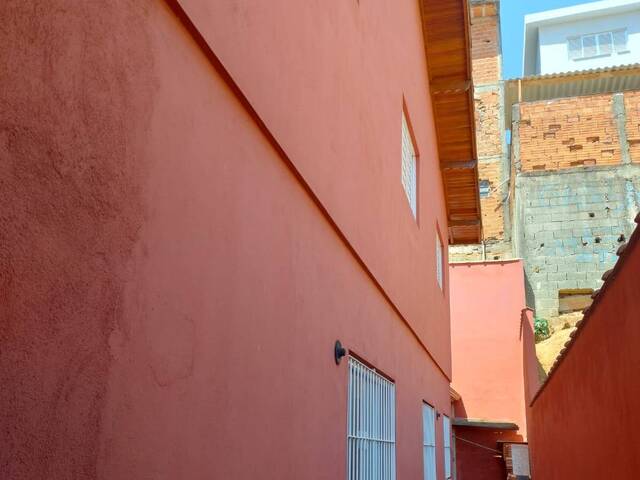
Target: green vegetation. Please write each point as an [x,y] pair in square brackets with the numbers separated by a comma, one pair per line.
[541,328]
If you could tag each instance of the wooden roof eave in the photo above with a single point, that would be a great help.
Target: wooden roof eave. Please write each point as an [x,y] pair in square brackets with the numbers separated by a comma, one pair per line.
[447,46]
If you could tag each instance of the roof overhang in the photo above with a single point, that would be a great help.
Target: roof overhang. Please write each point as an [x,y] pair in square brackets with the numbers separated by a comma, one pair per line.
[571,84]
[455,396]
[446,33]
[481,423]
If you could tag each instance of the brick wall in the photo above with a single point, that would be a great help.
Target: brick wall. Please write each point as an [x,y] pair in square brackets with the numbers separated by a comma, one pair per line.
[489,109]
[568,132]
[485,42]
[490,170]
[632,111]
[573,221]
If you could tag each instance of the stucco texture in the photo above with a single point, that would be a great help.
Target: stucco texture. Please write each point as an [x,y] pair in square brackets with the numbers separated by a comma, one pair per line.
[171,291]
[491,344]
[73,113]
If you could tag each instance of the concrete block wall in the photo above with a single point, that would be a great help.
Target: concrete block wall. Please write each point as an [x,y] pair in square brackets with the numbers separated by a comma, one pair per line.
[572,223]
[474,253]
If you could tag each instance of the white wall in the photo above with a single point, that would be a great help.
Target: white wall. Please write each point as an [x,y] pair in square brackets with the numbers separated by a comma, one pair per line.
[554,55]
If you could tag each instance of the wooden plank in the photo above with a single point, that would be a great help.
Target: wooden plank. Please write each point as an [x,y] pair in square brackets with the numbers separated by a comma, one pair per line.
[445,29]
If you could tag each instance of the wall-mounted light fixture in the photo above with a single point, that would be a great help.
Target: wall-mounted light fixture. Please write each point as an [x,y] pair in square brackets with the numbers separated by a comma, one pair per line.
[338,352]
[437,415]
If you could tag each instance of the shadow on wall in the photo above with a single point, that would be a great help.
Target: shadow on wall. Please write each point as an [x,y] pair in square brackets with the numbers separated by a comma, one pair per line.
[533,373]
[528,292]
[479,452]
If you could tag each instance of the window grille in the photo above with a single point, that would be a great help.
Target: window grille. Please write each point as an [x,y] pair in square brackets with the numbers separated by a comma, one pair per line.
[409,173]
[446,430]
[371,425]
[439,261]
[597,44]
[429,441]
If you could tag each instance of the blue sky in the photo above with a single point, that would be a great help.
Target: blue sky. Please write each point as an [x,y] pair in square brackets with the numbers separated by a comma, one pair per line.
[512,14]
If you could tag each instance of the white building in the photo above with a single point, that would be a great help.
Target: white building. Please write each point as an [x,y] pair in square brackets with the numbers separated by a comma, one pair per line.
[591,35]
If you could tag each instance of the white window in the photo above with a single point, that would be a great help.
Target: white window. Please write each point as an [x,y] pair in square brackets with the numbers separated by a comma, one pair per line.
[575,48]
[446,430]
[429,441]
[597,44]
[605,41]
[409,172]
[371,425]
[439,261]
[620,41]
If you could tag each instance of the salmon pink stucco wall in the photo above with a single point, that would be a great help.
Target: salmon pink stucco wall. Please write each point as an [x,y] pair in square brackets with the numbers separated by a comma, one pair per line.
[488,351]
[487,300]
[183,240]
[584,421]
[329,80]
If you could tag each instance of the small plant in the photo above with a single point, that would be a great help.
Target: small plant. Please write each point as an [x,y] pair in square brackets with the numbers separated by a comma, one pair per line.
[541,328]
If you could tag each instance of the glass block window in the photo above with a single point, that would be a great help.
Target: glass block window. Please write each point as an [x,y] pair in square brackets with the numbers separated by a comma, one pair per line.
[429,441]
[597,44]
[446,431]
[371,424]
[409,167]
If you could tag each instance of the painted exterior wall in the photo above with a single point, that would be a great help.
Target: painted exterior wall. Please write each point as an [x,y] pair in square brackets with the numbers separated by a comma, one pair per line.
[177,264]
[487,301]
[546,50]
[553,49]
[584,421]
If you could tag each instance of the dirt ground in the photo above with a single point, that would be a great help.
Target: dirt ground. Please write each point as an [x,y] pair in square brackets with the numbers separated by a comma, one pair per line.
[561,326]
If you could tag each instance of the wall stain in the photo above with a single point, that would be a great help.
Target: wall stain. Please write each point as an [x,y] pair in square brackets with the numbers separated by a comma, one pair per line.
[76,98]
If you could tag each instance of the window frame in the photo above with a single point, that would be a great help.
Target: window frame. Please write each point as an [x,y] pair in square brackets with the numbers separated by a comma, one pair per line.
[447,452]
[429,444]
[613,48]
[439,260]
[371,422]
[408,141]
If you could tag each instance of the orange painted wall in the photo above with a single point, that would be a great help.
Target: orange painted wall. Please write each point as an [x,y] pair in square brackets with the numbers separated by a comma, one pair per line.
[488,361]
[173,278]
[584,423]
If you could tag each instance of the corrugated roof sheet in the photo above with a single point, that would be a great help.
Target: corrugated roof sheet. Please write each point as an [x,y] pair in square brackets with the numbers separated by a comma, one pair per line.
[570,84]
